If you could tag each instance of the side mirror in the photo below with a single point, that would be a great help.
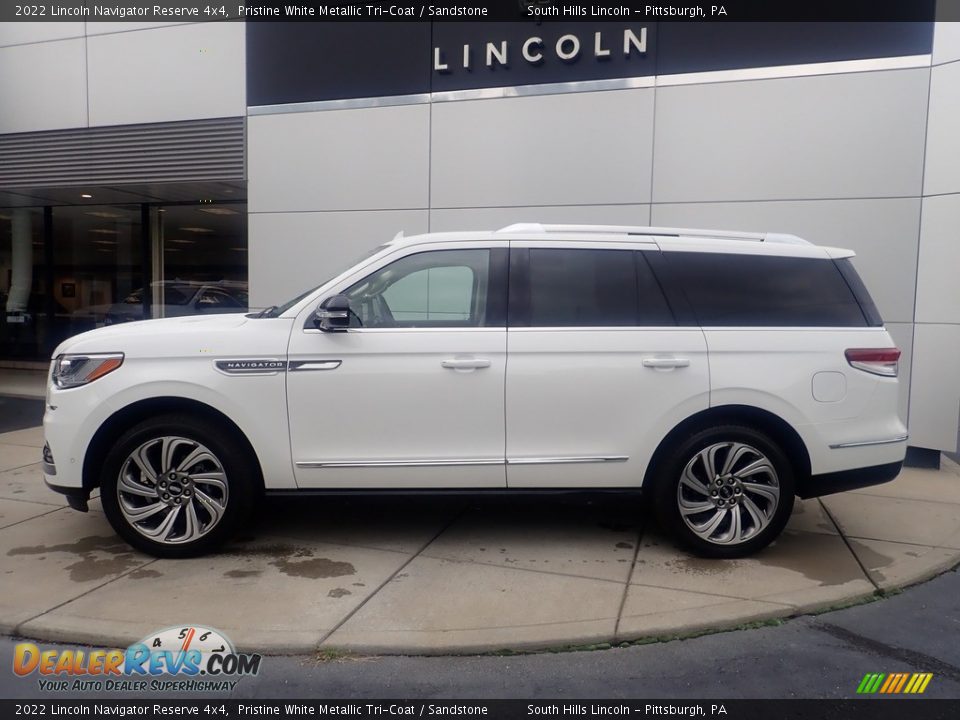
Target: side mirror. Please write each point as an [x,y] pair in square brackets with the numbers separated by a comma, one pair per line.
[333,315]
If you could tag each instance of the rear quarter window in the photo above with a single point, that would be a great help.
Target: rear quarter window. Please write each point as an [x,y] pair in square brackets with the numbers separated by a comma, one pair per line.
[765,291]
[860,292]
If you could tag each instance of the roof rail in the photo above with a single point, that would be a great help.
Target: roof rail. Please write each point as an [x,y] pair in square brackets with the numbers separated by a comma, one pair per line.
[658,231]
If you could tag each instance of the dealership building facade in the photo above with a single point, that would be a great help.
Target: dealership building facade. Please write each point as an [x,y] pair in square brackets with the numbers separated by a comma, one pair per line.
[154,169]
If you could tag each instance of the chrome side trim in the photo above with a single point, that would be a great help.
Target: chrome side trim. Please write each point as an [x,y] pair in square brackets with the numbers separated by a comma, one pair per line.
[361,330]
[865,443]
[395,463]
[492,93]
[567,460]
[304,365]
[344,104]
[459,461]
[788,71]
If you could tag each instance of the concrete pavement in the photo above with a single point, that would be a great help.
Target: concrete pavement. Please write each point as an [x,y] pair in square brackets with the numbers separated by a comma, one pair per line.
[819,656]
[432,576]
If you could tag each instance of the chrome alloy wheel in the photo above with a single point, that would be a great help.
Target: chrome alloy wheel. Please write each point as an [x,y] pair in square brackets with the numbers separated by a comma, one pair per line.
[728,492]
[172,490]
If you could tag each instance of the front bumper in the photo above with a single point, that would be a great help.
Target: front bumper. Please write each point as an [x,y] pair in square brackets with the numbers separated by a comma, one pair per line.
[76,497]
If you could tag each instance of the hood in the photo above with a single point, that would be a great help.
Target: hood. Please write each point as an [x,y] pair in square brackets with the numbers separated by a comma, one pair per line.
[153,334]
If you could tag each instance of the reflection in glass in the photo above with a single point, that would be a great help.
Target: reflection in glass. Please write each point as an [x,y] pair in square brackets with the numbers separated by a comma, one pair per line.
[97,263]
[203,260]
[22,287]
[198,261]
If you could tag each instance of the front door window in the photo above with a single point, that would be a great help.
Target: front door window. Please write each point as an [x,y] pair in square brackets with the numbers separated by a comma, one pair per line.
[443,288]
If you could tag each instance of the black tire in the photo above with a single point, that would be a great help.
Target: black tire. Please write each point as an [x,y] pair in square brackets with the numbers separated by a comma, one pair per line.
[759,524]
[237,473]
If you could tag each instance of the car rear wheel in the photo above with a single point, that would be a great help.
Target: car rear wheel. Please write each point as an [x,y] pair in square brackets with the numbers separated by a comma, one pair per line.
[174,486]
[726,492]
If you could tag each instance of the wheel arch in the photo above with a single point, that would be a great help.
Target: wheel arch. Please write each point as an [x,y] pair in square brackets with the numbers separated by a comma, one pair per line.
[779,429]
[135,412]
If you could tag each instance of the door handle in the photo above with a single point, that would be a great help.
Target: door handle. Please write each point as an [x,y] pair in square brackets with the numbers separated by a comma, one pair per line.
[465,363]
[666,363]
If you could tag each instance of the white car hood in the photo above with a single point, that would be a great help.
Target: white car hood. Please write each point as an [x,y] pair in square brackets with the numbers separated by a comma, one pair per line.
[149,333]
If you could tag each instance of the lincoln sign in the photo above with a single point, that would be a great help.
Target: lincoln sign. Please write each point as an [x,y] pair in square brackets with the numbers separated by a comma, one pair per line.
[568,48]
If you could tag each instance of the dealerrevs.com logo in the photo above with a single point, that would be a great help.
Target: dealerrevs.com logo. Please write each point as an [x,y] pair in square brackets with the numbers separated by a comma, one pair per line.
[176,659]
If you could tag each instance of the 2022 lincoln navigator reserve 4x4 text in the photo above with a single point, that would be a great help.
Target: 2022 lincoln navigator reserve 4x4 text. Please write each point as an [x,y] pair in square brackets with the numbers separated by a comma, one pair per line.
[724,373]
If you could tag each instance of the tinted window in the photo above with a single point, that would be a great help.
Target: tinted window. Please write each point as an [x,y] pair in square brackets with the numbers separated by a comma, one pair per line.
[587,288]
[756,290]
[860,292]
[445,288]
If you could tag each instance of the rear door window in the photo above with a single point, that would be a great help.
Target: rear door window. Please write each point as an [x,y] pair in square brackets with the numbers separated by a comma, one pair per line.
[584,287]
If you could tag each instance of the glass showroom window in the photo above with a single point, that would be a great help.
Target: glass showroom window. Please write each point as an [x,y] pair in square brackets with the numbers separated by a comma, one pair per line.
[23,321]
[200,260]
[97,266]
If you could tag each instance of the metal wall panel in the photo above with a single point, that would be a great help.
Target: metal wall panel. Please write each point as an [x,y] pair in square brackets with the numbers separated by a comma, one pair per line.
[858,135]
[21,33]
[935,387]
[43,86]
[942,166]
[373,159]
[173,73]
[946,42]
[577,149]
[291,252]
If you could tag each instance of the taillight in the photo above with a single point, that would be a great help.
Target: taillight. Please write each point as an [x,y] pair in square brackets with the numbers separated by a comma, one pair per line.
[879,361]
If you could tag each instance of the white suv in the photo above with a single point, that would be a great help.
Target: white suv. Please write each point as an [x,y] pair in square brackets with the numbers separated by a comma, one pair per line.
[723,373]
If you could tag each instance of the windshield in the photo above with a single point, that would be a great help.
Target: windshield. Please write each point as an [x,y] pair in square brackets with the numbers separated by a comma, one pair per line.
[278,310]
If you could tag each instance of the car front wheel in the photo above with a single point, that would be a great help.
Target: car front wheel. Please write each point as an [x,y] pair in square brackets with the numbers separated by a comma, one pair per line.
[176,487]
[726,492]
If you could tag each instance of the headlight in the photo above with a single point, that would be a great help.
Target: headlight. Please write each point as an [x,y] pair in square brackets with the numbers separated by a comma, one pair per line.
[71,371]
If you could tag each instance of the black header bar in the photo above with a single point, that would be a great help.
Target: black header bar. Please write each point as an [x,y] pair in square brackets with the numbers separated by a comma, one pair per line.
[292,62]
[880,709]
[484,10]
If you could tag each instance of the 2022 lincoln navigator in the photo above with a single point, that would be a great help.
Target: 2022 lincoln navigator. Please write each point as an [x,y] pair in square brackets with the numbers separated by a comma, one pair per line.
[723,373]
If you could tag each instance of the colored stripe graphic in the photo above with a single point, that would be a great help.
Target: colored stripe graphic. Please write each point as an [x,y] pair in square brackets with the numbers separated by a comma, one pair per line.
[903,680]
[894,683]
[870,683]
